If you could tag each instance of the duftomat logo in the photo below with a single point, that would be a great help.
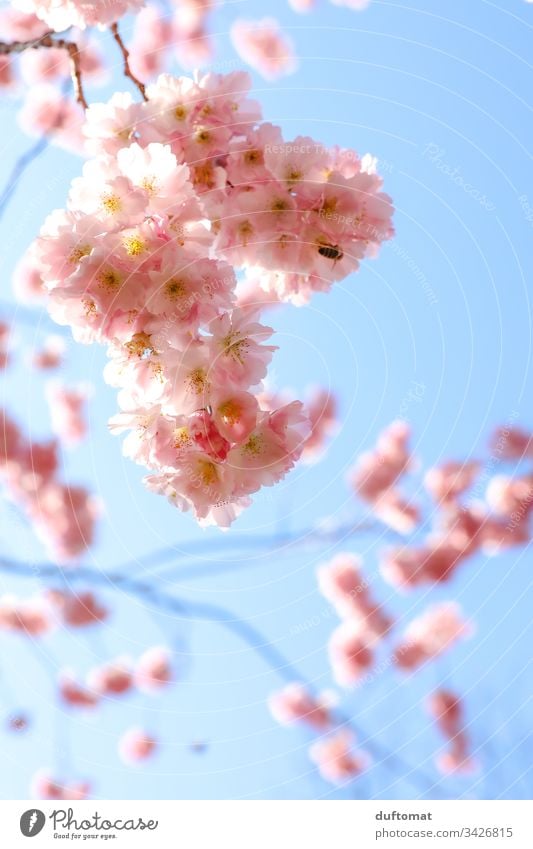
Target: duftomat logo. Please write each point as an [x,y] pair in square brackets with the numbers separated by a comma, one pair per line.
[32,822]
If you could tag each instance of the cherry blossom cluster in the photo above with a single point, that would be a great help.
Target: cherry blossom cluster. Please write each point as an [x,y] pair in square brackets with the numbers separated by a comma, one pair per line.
[151,673]
[184,190]
[334,753]
[352,656]
[376,474]
[365,623]
[446,709]
[63,516]
[41,614]
[462,525]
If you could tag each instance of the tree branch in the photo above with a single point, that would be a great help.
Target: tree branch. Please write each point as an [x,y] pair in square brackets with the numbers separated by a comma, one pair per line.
[125,60]
[50,41]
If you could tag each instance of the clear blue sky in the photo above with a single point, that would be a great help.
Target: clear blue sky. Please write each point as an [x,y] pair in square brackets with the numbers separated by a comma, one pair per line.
[441,93]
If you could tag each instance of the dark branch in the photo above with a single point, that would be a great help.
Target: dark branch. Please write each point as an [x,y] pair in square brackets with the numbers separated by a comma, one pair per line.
[125,61]
[50,41]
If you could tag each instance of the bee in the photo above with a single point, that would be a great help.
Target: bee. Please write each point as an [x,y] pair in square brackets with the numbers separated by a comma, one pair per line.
[331,252]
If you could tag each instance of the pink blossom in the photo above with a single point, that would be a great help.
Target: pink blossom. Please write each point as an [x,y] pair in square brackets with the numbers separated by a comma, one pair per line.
[321,408]
[59,15]
[350,653]
[263,45]
[357,5]
[28,282]
[145,258]
[446,709]
[152,34]
[77,609]
[112,679]
[153,671]
[30,617]
[378,471]
[51,354]
[342,583]
[5,344]
[67,412]
[431,634]
[302,5]
[512,443]
[44,786]
[295,704]
[409,567]
[456,760]
[136,745]
[7,77]
[397,512]
[447,482]
[335,758]
[75,694]
[46,111]
[511,497]
[19,26]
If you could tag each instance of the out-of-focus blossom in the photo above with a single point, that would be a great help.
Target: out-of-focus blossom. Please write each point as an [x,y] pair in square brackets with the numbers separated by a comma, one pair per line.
[408,567]
[431,634]
[264,46]
[357,5]
[511,497]
[19,26]
[47,112]
[336,759]
[66,405]
[295,704]
[302,5]
[27,280]
[376,474]
[60,15]
[342,583]
[112,679]
[77,609]
[512,443]
[448,481]
[136,745]
[7,76]
[50,356]
[446,709]
[396,511]
[350,652]
[152,35]
[75,694]
[321,408]
[377,471]
[153,671]
[45,786]
[5,344]
[28,616]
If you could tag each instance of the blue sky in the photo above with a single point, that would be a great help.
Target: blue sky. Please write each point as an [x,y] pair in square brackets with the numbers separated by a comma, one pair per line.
[443,98]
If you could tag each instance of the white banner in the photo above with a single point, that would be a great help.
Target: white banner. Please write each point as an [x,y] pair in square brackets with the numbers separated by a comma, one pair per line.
[268,825]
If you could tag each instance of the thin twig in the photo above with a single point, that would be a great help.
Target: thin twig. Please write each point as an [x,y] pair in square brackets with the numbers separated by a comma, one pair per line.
[50,41]
[125,59]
